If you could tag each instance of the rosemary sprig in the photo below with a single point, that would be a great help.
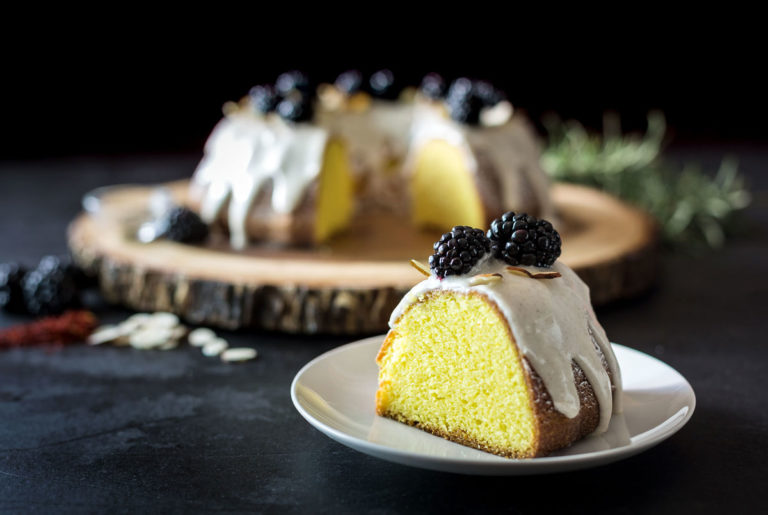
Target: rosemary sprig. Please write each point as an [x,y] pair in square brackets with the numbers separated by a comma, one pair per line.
[692,207]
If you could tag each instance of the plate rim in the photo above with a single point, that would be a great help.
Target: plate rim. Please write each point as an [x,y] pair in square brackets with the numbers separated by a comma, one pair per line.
[504,466]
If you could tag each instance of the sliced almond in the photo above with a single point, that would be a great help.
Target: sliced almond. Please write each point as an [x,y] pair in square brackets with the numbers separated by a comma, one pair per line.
[161,319]
[215,347]
[421,267]
[536,275]
[480,279]
[138,318]
[134,323]
[238,354]
[201,336]
[330,96]
[150,337]
[104,334]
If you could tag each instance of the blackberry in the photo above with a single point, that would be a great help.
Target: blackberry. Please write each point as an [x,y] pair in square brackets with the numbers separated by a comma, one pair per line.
[458,251]
[524,240]
[183,225]
[291,81]
[382,85]
[264,98]
[433,86]
[487,93]
[11,293]
[50,288]
[466,98]
[349,82]
[467,110]
[463,102]
[296,108]
[459,90]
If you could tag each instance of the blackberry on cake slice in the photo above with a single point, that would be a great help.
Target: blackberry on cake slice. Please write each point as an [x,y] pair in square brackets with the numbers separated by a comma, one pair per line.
[457,251]
[521,239]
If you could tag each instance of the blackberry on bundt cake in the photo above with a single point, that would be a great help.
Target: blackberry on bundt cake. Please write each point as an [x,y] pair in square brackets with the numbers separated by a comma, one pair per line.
[292,164]
[499,356]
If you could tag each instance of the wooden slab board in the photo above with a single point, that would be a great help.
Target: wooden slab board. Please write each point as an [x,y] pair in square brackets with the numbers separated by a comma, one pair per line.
[349,286]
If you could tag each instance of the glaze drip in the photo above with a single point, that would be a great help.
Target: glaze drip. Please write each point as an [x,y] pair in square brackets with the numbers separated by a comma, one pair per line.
[244,154]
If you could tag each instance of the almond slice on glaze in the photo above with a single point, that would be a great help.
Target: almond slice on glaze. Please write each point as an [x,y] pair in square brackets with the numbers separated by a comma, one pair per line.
[421,267]
[480,279]
[537,275]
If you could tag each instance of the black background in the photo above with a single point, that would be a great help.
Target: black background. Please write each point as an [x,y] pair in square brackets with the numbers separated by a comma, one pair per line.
[149,89]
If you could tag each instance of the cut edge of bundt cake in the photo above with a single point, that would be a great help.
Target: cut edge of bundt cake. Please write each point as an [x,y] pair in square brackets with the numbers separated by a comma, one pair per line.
[335,192]
[444,192]
[451,366]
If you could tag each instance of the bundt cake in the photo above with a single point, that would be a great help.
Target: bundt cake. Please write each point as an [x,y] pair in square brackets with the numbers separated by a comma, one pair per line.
[292,163]
[506,359]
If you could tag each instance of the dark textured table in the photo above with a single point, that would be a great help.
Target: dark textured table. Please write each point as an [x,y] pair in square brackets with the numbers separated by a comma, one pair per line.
[107,429]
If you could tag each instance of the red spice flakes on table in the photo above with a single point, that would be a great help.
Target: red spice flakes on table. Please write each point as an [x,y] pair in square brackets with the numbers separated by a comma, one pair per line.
[70,327]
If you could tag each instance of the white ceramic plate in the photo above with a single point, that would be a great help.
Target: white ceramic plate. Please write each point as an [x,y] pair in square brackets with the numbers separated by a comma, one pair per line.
[335,393]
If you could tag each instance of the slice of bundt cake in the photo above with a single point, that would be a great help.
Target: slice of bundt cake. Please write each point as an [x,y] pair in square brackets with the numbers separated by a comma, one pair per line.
[505,358]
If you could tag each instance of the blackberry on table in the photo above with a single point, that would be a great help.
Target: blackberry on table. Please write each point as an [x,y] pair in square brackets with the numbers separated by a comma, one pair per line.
[521,239]
[11,293]
[183,225]
[457,251]
[50,288]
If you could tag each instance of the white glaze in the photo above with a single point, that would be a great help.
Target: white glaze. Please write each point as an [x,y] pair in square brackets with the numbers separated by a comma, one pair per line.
[553,324]
[246,152]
